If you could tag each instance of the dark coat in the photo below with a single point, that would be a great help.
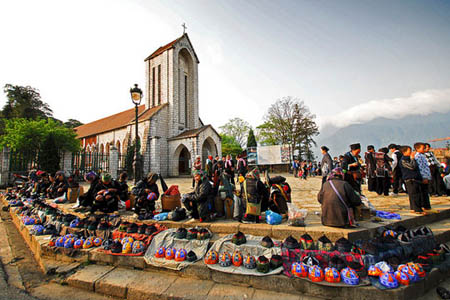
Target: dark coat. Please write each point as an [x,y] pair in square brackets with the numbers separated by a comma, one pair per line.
[334,212]
[327,161]
[142,185]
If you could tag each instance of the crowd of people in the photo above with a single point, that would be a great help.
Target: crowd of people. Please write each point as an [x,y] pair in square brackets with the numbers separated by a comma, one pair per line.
[389,171]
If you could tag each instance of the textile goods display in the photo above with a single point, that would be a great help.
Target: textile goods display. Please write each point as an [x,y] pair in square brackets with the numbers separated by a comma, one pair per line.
[252,248]
[168,239]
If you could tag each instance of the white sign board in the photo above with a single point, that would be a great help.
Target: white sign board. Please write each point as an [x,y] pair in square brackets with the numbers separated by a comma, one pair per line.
[273,155]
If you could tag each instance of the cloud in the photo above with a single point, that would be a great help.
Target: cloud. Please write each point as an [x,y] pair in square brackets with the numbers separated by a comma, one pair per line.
[419,103]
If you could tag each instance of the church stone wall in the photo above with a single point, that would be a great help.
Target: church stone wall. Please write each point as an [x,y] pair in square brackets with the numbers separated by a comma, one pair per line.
[209,133]
[165,61]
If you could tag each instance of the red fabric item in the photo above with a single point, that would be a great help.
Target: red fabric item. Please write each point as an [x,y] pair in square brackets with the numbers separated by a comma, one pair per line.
[172,191]
[128,204]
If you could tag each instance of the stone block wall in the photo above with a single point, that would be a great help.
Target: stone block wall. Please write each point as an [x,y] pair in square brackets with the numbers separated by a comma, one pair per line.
[4,167]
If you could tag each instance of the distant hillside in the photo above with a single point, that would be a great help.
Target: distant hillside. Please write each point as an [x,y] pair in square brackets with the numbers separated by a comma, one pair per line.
[381,132]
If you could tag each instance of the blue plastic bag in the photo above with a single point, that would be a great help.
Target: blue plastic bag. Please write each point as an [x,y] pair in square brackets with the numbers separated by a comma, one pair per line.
[272,218]
[161,216]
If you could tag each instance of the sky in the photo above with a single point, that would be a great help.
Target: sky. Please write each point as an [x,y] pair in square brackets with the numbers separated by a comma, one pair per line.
[349,61]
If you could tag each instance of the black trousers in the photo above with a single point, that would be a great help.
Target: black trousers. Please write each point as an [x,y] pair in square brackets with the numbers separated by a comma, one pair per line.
[372,184]
[197,209]
[435,186]
[85,200]
[397,184]
[425,196]
[356,184]
[415,195]
[383,184]
[143,204]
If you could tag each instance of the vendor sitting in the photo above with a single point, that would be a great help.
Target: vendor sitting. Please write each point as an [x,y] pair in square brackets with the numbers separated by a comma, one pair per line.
[87,199]
[58,187]
[146,193]
[106,195]
[43,183]
[197,202]
[123,193]
[254,194]
[338,199]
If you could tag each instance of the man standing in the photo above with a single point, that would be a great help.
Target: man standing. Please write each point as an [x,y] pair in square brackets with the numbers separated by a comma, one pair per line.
[435,185]
[327,163]
[352,167]
[371,168]
[295,168]
[396,155]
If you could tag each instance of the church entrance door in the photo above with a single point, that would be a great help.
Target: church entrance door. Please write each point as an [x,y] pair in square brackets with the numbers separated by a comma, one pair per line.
[183,162]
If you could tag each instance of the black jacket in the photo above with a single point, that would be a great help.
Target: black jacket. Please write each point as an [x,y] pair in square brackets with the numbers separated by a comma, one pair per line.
[410,169]
[141,186]
[203,191]
[327,161]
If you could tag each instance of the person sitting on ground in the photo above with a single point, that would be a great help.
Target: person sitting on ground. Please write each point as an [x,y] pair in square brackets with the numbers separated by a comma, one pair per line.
[255,196]
[86,200]
[147,193]
[58,187]
[412,178]
[106,195]
[338,199]
[197,203]
[123,190]
[43,183]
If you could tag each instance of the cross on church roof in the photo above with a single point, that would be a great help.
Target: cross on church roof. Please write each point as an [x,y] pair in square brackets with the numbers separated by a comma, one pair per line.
[184,28]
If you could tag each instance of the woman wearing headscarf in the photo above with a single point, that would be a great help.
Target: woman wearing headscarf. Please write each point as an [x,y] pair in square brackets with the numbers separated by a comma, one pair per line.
[196,166]
[327,163]
[229,169]
[338,198]
[197,203]
[58,187]
[146,193]
[106,195]
[87,199]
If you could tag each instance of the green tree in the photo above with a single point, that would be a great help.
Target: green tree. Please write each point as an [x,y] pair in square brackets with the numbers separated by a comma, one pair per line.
[251,140]
[230,145]
[24,102]
[45,139]
[238,129]
[72,123]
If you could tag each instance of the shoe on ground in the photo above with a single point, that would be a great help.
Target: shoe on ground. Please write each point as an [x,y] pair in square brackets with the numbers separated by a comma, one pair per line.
[443,293]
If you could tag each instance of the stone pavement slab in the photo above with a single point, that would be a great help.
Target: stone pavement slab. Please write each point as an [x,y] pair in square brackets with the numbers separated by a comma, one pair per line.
[230,292]
[188,288]
[116,282]
[269,295]
[150,286]
[53,291]
[86,278]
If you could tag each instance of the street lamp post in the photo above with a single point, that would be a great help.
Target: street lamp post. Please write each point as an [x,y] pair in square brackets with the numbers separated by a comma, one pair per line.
[136,97]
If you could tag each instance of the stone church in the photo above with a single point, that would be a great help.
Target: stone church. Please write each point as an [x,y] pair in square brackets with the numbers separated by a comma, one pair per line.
[168,123]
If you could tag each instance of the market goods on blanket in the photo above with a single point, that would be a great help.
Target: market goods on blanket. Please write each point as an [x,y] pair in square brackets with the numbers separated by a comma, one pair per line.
[349,276]
[211,257]
[401,277]
[52,242]
[60,241]
[160,252]
[262,264]
[69,243]
[310,261]
[384,267]
[181,233]
[307,242]
[299,269]
[276,261]
[116,247]
[127,239]
[170,253]
[238,238]
[180,255]
[267,242]
[374,271]
[390,233]
[411,272]
[191,256]
[337,262]
[75,223]
[98,241]
[192,234]
[78,244]
[225,259]
[236,259]
[332,275]
[132,228]
[127,247]
[420,271]
[88,244]
[138,247]
[388,280]
[324,244]
[291,243]
[150,229]
[250,262]
[142,228]
[203,234]
[315,274]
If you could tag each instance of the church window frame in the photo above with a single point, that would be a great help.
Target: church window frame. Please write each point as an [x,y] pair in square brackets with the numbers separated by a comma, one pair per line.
[153,86]
[159,84]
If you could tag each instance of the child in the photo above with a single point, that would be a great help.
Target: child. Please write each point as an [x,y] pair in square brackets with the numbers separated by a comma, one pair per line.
[424,170]
[412,178]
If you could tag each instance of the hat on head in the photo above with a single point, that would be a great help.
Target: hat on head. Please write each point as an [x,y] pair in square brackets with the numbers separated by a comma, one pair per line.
[106,177]
[355,146]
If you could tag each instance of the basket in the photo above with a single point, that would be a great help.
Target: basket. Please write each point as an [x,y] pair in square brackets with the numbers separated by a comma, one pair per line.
[170,202]
[74,193]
